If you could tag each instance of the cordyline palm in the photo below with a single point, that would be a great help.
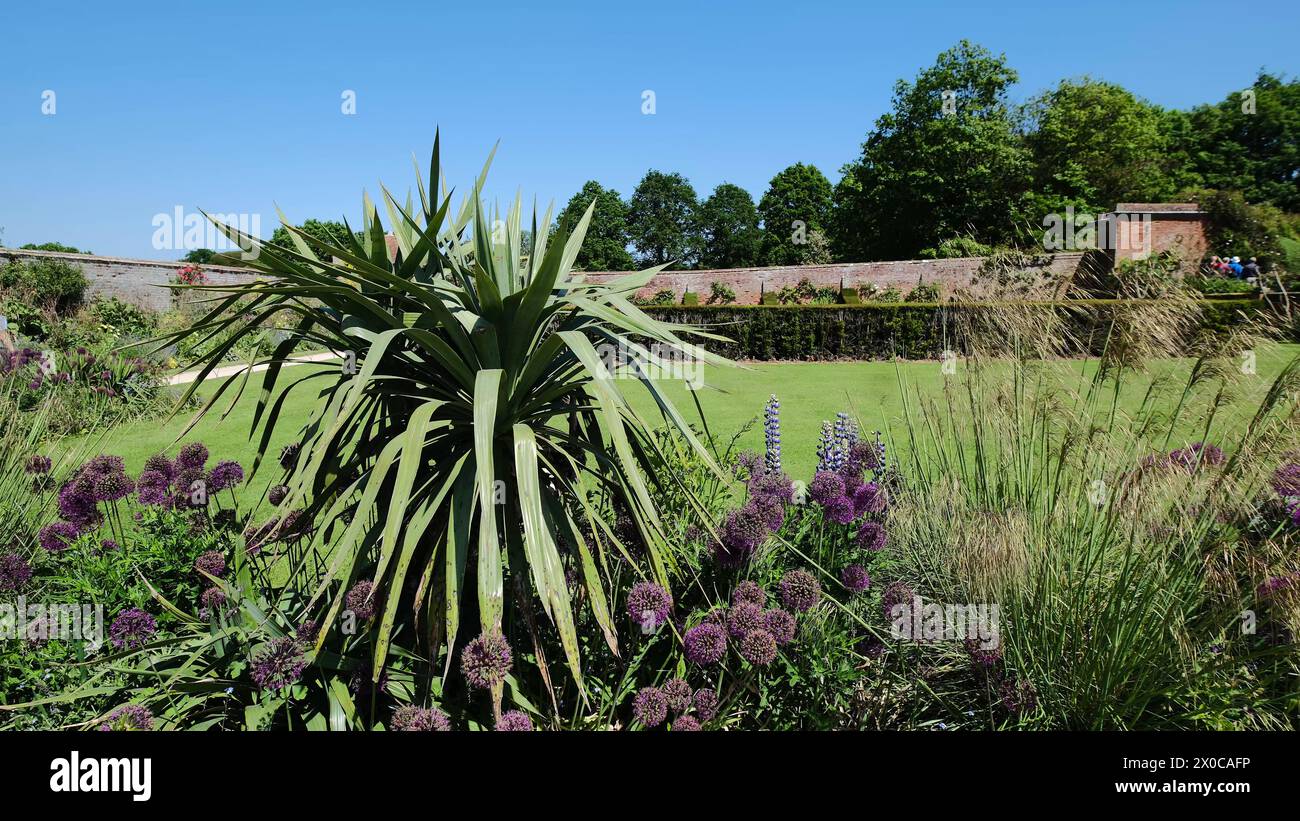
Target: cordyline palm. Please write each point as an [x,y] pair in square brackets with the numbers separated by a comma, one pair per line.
[479,420]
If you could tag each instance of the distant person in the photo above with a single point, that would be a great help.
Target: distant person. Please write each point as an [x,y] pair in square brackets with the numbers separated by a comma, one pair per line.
[1235,265]
[1251,269]
[1216,265]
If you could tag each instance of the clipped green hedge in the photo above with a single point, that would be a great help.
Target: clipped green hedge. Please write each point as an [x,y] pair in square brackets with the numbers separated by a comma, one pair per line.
[883,330]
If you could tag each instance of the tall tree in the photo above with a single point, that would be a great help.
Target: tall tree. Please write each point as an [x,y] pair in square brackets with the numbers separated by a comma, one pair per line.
[796,209]
[1251,142]
[729,232]
[662,220]
[605,248]
[330,231]
[1095,144]
[947,161]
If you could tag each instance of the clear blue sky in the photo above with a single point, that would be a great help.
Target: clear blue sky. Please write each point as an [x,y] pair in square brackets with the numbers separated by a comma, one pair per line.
[233,107]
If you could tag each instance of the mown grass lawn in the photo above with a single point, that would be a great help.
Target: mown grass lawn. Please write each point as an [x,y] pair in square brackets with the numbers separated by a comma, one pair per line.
[810,392]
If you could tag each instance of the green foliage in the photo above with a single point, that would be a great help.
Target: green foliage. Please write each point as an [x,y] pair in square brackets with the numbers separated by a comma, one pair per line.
[957,247]
[605,248]
[796,205]
[199,256]
[721,293]
[663,221]
[327,231]
[729,232]
[56,247]
[1238,228]
[45,284]
[926,175]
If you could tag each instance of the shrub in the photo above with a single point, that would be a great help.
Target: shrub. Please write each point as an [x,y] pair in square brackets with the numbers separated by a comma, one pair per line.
[721,294]
[50,284]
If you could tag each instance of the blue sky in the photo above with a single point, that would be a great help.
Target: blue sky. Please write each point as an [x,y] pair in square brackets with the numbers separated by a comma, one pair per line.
[232,107]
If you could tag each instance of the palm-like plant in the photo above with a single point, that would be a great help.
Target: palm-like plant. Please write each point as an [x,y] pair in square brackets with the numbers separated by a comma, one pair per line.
[478,433]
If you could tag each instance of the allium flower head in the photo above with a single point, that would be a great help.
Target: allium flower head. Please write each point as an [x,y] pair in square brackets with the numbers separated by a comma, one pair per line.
[1286,481]
[278,494]
[758,647]
[775,486]
[706,704]
[226,475]
[678,693]
[360,601]
[981,656]
[128,717]
[840,510]
[780,624]
[705,644]
[161,464]
[648,605]
[289,455]
[1017,697]
[109,545]
[742,618]
[15,572]
[896,593]
[211,562]
[826,485]
[1198,453]
[132,628]
[871,536]
[799,591]
[749,591]
[153,488]
[771,511]
[412,719]
[279,665]
[742,533]
[109,487]
[39,465]
[193,457]
[211,602]
[515,721]
[685,724]
[650,706]
[855,578]
[485,661]
[77,502]
[58,536]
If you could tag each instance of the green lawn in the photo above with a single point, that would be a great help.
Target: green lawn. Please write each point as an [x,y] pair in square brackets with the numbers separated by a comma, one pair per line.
[809,393]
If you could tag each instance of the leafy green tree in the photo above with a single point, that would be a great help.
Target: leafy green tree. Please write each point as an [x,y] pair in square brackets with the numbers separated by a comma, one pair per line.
[1095,145]
[1251,142]
[57,247]
[330,231]
[199,256]
[795,208]
[947,161]
[605,248]
[663,221]
[729,232]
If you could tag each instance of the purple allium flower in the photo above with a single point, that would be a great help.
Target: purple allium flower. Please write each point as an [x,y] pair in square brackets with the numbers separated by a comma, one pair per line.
[15,572]
[648,605]
[109,487]
[749,463]
[1017,697]
[1286,481]
[77,502]
[799,591]
[211,562]
[1277,584]
[39,465]
[895,594]
[58,536]
[678,694]
[855,578]
[742,533]
[871,536]
[980,655]
[1195,454]
[159,463]
[840,510]
[771,485]
[772,436]
[826,486]
[108,546]
[705,644]
[128,717]
[780,624]
[706,704]
[685,724]
[515,721]
[771,511]
[278,494]
[307,633]
[864,455]
[211,602]
[103,465]
[650,706]
[868,498]
[360,601]
[289,455]
[749,591]
[742,618]
[411,719]
[758,647]
[279,665]
[132,628]
[226,475]
[152,488]
[193,457]
[485,661]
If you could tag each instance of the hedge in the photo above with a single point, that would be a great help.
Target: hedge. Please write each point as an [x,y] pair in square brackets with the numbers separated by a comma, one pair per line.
[885,330]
